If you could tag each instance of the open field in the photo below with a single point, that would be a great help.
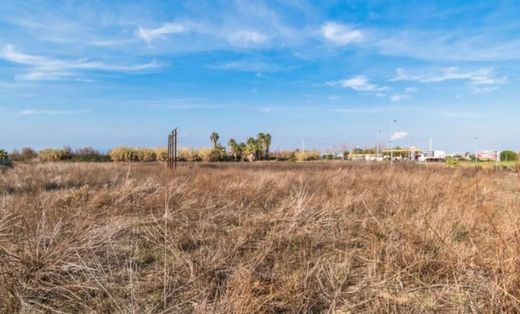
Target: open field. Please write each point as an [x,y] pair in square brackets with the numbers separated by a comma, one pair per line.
[278,237]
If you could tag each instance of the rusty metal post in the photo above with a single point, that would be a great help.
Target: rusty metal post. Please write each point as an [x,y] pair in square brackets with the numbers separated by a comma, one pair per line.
[175,149]
[172,150]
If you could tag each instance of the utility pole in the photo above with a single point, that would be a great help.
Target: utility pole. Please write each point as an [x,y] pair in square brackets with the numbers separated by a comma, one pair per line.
[392,143]
[431,144]
[378,144]
[476,148]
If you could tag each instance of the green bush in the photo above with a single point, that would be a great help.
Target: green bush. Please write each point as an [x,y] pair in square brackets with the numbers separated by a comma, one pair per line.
[89,154]
[451,161]
[3,155]
[508,155]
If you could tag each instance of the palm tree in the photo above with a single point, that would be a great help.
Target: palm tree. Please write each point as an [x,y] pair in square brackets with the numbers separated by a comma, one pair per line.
[235,148]
[242,149]
[252,148]
[264,140]
[268,139]
[261,140]
[214,139]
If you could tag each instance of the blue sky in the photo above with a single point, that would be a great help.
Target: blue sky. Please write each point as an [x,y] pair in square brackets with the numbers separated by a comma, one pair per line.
[108,73]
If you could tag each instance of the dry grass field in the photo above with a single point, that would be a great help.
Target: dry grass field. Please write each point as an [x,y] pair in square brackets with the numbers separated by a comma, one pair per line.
[259,238]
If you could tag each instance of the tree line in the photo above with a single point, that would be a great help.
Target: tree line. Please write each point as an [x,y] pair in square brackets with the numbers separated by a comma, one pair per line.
[254,148]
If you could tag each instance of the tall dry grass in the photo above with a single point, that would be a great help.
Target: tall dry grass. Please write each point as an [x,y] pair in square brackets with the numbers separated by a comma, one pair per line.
[277,237]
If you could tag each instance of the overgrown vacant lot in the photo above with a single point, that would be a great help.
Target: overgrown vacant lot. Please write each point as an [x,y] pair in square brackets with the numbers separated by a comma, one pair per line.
[132,238]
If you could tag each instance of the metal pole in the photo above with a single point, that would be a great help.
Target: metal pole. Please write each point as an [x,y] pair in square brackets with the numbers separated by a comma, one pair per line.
[168,159]
[378,143]
[476,148]
[392,143]
[175,151]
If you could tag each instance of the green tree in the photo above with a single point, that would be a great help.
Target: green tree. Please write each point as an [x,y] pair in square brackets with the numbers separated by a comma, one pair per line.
[264,142]
[214,137]
[508,155]
[218,153]
[252,149]
[267,145]
[242,148]
[236,149]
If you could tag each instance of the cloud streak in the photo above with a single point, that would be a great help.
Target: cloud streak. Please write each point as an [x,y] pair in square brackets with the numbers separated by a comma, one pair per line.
[150,34]
[33,112]
[247,38]
[246,66]
[341,34]
[482,76]
[359,83]
[398,135]
[43,68]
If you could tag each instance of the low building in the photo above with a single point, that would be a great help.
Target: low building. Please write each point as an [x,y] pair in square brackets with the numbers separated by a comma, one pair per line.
[488,155]
[433,156]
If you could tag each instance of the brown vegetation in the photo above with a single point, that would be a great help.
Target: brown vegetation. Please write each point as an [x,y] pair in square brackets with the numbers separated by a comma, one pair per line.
[266,237]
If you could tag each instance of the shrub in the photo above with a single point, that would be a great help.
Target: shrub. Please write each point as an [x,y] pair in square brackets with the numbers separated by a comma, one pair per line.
[145,154]
[122,154]
[307,156]
[132,154]
[189,154]
[25,154]
[452,161]
[89,154]
[52,154]
[508,155]
[212,154]
[205,154]
[161,153]
[286,155]
[29,153]
[3,155]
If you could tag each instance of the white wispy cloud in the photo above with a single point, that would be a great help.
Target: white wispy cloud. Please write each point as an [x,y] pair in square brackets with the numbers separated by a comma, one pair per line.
[33,112]
[483,76]
[246,66]
[359,83]
[456,45]
[247,38]
[398,135]
[369,110]
[341,34]
[43,68]
[150,34]
[264,110]
[397,97]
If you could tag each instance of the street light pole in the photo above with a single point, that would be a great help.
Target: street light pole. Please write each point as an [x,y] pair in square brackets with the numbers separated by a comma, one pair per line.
[392,143]
[476,148]
[378,147]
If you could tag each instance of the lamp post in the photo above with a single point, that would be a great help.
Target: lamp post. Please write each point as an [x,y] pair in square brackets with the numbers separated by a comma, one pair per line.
[378,147]
[392,142]
[476,149]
